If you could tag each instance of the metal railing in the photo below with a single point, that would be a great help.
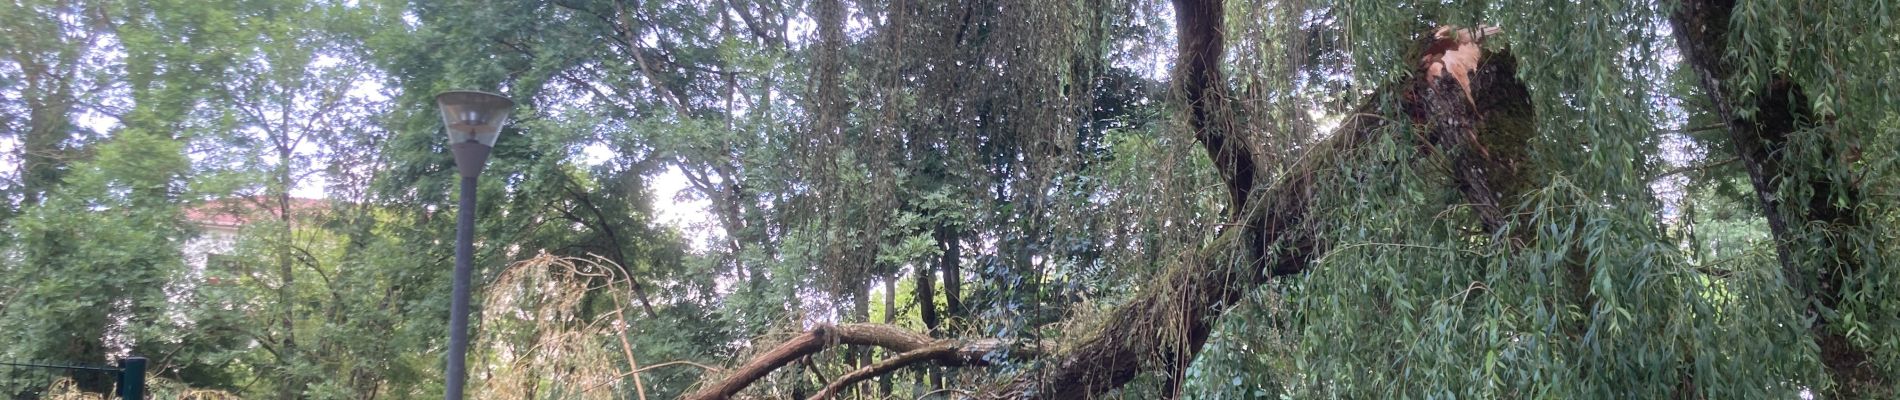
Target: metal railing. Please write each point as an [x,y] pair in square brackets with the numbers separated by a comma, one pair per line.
[32,381]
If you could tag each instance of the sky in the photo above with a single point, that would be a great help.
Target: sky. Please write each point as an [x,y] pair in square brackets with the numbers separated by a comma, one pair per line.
[674,202]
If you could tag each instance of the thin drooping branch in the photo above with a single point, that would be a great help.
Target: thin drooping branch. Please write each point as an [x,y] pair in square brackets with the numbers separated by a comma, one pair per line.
[1682,170]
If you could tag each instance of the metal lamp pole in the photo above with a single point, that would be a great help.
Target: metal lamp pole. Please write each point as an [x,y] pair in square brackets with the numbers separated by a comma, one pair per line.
[473,121]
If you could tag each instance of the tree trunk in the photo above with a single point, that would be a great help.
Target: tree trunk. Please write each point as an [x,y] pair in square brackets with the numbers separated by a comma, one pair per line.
[890,318]
[952,280]
[287,274]
[926,294]
[1761,142]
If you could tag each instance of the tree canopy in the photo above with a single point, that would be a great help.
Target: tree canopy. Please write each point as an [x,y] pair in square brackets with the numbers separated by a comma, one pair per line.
[924,199]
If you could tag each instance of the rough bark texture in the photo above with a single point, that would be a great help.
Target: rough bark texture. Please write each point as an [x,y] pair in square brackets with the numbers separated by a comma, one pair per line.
[1701,28]
[952,280]
[1760,142]
[927,284]
[1484,139]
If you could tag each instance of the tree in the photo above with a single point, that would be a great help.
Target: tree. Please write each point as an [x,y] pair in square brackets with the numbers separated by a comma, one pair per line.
[99,225]
[1804,167]
[1356,199]
[294,94]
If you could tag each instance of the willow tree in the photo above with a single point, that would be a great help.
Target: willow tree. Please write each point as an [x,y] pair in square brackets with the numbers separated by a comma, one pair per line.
[1498,234]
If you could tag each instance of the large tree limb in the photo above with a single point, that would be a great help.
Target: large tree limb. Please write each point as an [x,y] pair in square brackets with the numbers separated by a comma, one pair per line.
[1701,29]
[1484,139]
[1165,327]
[1198,78]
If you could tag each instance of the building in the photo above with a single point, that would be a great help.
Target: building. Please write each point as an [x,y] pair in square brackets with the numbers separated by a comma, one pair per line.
[221,222]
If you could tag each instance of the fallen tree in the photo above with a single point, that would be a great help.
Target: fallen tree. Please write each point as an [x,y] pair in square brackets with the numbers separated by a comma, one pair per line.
[1480,129]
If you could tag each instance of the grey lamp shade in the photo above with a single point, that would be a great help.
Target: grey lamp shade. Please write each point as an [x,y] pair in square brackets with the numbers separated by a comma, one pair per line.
[473,116]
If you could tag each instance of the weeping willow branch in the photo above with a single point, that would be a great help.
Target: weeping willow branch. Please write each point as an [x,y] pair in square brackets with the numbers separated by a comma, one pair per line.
[1694,168]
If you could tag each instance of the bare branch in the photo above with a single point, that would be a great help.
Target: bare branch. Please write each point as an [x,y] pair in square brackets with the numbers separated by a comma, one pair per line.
[890,337]
[930,353]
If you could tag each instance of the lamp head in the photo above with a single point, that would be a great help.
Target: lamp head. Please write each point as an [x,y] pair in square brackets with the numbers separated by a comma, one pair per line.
[473,120]
[473,116]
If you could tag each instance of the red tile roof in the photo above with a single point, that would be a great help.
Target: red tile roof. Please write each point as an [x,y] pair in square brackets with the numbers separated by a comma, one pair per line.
[239,211]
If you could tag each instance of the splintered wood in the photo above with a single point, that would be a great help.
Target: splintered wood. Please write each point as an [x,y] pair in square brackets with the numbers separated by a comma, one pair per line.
[1454,53]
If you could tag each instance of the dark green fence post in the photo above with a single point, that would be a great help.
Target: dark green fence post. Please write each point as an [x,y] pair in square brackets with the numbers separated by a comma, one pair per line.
[132,378]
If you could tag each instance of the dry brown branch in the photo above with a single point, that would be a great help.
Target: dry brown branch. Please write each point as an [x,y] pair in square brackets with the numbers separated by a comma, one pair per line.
[709,369]
[889,337]
[964,393]
[936,351]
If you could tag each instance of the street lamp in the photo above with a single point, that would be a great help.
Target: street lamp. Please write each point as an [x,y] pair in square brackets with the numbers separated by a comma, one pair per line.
[473,121]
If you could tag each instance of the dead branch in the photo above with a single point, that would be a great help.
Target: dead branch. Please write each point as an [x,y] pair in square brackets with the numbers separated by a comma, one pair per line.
[889,337]
[930,353]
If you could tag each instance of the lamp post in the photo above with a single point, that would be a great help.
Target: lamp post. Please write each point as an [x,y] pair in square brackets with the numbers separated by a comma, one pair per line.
[473,121]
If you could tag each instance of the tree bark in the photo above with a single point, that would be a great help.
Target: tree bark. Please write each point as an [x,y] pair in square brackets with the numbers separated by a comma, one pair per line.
[890,318]
[952,279]
[1164,328]
[927,287]
[1199,52]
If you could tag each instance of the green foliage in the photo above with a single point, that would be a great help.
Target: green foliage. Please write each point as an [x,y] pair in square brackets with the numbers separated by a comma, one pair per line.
[102,247]
[1023,159]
